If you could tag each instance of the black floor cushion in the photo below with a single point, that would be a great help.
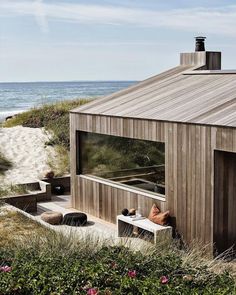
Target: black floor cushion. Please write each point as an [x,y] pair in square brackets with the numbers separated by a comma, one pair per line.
[75,219]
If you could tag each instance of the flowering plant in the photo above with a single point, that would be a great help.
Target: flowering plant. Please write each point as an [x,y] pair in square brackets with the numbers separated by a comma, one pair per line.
[132,274]
[92,291]
[5,268]
[164,280]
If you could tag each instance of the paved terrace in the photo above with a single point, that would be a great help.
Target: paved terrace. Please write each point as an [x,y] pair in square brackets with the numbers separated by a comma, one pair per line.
[96,228]
[62,204]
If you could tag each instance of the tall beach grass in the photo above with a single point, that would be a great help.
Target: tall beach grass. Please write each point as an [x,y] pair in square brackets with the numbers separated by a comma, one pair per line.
[5,164]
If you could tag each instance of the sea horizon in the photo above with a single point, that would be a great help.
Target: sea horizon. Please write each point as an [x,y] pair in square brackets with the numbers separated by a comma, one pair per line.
[66,81]
[16,97]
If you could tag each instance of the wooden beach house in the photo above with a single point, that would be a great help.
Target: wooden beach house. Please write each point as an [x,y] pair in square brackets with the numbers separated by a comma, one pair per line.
[170,140]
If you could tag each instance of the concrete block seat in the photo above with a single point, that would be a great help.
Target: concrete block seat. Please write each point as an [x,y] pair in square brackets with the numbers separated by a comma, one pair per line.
[125,226]
[75,219]
[52,217]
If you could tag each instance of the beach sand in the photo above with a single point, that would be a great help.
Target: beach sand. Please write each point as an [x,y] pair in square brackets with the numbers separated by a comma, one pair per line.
[25,148]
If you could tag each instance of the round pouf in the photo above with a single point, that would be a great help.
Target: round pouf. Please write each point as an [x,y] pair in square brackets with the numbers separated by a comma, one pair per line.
[75,219]
[52,217]
[58,189]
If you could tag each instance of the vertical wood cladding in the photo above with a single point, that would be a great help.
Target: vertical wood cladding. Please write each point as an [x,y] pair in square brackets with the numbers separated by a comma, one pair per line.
[189,171]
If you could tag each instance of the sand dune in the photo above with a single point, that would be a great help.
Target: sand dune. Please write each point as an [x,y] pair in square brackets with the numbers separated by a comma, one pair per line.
[25,147]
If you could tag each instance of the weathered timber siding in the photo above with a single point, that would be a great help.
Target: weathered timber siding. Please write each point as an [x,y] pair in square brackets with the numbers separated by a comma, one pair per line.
[189,171]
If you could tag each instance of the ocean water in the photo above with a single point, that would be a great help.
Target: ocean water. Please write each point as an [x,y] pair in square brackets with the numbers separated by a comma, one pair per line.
[18,97]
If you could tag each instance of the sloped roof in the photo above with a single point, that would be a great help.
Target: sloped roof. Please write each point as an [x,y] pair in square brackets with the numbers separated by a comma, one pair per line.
[177,95]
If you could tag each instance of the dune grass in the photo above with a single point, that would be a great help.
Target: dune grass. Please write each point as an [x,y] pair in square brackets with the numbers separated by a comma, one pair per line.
[12,190]
[53,263]
[8,190]
[60,164]
[55,119]
[14,227]
[5,164]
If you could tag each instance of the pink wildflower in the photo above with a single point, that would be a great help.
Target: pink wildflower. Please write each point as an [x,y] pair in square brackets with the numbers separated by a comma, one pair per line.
[132,274]
[164,280]
[92,291]
[5,268]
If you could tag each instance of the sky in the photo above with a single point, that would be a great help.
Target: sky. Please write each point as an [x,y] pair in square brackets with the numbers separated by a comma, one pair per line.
[67,40]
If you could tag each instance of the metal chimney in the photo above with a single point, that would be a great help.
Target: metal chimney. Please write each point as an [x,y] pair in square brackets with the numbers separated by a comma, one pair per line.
[200,43]
[205,60]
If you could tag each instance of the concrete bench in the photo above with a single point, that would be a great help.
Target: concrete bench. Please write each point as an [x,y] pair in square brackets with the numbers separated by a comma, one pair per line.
[126,224]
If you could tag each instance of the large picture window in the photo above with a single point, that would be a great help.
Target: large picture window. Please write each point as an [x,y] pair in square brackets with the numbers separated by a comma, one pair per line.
[132,162]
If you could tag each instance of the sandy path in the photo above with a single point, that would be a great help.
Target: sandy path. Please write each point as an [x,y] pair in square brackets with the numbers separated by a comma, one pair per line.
[25,148]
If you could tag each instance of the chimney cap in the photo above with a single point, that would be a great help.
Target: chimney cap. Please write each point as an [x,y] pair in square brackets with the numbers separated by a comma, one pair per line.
[200,43]
[200,38]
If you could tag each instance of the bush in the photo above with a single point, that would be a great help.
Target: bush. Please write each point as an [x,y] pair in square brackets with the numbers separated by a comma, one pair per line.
[60,265]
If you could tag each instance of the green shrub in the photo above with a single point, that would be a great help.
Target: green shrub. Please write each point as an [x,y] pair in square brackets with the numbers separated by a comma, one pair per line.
[60,265]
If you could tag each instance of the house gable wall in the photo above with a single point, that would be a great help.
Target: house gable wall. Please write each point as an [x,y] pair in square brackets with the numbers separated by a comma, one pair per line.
[189,171]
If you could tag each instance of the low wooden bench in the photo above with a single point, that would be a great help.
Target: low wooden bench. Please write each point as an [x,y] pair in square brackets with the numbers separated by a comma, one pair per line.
[126,224]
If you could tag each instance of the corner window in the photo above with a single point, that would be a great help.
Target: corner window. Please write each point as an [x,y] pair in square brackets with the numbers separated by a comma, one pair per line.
[133,162]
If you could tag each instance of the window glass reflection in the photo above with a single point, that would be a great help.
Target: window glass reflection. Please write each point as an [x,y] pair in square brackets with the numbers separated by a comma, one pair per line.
[133,162]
